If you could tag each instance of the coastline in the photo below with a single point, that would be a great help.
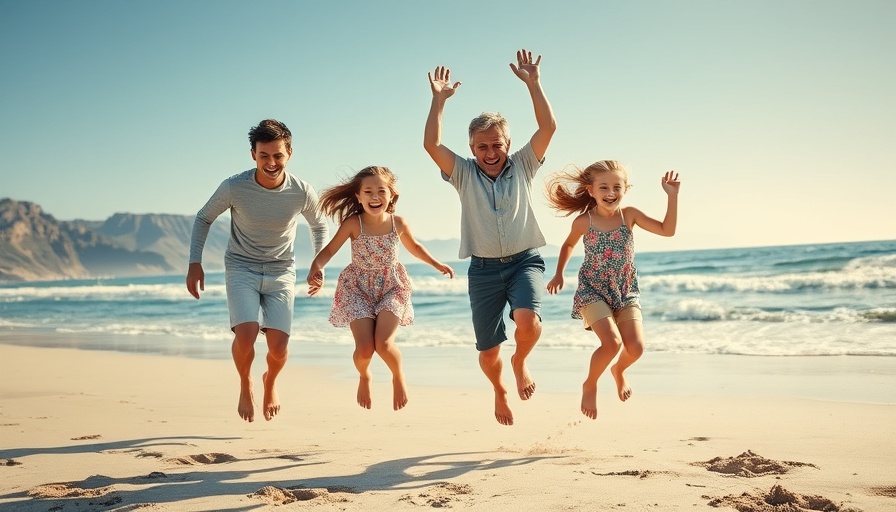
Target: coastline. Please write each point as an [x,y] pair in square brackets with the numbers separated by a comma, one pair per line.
[843,378]
[100,430]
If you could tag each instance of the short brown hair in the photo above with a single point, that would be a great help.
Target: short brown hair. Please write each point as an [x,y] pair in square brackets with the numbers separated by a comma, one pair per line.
[270,130]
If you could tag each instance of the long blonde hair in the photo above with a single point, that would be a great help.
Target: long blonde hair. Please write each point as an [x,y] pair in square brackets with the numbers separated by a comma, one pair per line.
[567,191]
[341,202]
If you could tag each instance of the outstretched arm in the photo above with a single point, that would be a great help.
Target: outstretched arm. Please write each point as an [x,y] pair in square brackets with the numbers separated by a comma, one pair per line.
[315,278]
[418,251]
[579,226]
[670,221]
[440,84]
[529,72]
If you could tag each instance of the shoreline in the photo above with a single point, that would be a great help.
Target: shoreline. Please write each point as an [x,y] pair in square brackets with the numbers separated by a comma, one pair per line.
[820,377]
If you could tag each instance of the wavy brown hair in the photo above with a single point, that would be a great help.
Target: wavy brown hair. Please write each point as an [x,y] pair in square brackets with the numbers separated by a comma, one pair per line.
[340,201]
[567,191]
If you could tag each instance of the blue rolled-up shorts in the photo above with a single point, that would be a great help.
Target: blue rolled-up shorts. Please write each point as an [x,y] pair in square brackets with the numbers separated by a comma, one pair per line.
[493,283]
[269,288]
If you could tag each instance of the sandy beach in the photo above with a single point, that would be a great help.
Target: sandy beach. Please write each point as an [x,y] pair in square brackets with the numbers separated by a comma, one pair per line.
[97,430]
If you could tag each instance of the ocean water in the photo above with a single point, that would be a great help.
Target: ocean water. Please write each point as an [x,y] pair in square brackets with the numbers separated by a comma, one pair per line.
[803,300]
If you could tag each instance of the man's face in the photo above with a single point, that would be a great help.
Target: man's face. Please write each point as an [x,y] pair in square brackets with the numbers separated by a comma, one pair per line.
[270,161]
[490,148]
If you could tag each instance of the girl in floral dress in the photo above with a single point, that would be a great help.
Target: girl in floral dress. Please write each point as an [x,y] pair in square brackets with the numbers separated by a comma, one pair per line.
[373,293]
[607,297]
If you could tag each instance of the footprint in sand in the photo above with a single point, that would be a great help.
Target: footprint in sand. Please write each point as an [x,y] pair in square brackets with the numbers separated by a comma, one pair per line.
[886,490]
[279,496]
[142,454]
[67,490]
[203,458]
[439,495]
[85,438]
[779,498]
[750,465]
[645,473]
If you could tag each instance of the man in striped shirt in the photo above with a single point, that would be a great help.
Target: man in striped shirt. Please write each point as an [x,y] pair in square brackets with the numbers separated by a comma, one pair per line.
[259,262]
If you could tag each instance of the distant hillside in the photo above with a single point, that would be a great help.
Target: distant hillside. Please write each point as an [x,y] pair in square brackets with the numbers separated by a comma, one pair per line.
[167,236]
[34,245]
[102,256]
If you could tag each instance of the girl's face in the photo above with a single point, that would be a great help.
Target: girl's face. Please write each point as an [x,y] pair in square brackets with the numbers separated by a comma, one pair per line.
[374,194]
[608,188]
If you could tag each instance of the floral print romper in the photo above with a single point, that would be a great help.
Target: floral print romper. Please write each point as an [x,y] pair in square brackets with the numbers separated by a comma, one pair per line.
[373,282]
[608,271]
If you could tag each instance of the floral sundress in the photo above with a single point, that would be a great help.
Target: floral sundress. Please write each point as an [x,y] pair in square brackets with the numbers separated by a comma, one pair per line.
[373,282]
[608,271]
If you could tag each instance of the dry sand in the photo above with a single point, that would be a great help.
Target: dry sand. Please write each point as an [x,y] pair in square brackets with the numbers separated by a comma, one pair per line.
[100,431]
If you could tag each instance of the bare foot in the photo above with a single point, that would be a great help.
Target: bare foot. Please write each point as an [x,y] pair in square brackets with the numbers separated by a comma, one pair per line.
[364,391]
[246,406]
[524,383]
[622,387]
[502,409]
[589,400]
[271,404]
[399,393]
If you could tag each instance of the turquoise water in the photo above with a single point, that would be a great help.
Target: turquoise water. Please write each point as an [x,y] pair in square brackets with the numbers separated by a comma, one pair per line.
[823,299]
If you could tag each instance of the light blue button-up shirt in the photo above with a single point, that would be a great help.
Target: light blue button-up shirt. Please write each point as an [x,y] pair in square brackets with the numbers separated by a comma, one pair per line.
[496,218]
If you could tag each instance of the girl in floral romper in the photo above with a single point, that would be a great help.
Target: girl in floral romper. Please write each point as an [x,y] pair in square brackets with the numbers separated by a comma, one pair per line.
[373,294]
[607,298]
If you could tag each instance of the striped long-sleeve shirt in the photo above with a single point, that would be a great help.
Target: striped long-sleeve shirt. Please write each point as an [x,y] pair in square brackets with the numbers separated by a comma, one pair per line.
[262,221]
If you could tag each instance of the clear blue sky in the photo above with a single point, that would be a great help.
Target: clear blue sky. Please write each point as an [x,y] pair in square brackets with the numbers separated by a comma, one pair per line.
[779,115]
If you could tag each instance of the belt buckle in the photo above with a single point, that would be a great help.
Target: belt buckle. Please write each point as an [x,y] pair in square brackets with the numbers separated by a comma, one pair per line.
[506,259]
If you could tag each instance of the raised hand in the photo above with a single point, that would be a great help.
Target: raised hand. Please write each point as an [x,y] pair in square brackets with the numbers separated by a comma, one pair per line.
[526,69]
[670,183]
[440,83]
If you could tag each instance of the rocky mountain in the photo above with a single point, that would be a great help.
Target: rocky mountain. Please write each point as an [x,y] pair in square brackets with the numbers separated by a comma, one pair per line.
[34,245]
[167,236]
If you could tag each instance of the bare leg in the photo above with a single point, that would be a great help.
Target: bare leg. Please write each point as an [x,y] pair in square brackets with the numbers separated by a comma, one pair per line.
[243,351]
[632,348]
[490,362]
[278,351]
[610,340]
[362,330]
[528,330]
[386,327]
